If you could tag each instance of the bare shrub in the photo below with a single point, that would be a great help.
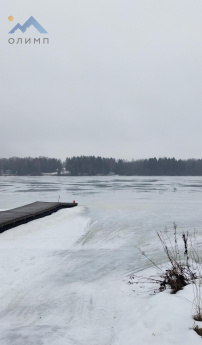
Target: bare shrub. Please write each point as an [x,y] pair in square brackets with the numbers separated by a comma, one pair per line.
[181,271]
[198,330]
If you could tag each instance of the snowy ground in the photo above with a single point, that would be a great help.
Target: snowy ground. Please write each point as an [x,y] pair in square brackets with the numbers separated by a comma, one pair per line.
[64,278]
[60,285]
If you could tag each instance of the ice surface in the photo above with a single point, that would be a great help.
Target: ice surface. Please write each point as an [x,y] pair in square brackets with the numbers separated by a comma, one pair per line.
[64,278]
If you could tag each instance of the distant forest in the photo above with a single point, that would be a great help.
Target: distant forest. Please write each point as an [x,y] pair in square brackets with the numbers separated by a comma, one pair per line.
[145,167]
[29,166]
[91,166]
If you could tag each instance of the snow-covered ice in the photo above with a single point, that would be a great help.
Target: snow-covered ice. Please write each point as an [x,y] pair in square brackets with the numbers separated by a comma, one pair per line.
[64,278]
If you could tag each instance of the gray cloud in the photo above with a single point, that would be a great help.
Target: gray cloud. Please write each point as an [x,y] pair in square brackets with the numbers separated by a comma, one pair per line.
[119,78]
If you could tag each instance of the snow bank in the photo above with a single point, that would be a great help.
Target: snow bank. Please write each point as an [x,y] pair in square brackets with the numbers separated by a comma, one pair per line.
[58,289]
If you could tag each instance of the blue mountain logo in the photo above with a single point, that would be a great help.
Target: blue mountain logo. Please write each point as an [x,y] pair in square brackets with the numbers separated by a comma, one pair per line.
[30,22]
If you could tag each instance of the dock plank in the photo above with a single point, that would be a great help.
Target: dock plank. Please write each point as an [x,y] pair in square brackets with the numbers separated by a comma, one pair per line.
[21,215]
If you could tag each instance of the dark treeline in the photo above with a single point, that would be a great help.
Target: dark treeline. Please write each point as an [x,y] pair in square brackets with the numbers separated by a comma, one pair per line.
[146,167]
[29,166]
[91,165]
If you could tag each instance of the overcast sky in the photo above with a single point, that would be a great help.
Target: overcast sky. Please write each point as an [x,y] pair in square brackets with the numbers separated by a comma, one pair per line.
[119,78]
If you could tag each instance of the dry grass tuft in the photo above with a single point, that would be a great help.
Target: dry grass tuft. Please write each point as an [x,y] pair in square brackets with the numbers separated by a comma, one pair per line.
[197,317]
[180,272]
[198,330]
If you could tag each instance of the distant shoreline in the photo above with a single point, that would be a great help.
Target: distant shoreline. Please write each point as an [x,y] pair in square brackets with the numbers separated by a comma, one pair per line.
[99,166]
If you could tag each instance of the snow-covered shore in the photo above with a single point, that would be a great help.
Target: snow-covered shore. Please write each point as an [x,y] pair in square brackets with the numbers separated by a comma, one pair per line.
[58,289]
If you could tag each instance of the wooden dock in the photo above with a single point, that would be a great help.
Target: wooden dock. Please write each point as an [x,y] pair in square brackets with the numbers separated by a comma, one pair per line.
[24,214]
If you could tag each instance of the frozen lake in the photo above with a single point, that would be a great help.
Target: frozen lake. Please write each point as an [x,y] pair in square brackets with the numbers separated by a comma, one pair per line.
[120,210]
[64,276]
